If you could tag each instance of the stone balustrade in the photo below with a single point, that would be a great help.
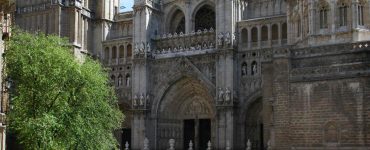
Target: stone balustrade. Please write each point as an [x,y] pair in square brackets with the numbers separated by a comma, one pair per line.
[180,43]
[171,145]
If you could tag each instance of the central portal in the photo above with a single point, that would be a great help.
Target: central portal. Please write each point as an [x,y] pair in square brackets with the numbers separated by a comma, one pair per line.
[186,113]
[198,131]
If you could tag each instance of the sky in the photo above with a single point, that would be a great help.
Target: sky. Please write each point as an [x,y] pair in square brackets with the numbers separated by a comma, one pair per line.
[126,5]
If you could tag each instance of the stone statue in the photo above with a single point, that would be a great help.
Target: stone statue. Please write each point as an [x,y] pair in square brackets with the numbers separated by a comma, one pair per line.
[244,70]
[142,100]
[172,144]
[209,145]
[227,145]
[220,94]
[219,38]
[147,99]
[254,69]
[146,144]
[269,145]
[128,81]
[148,47]
[126,146]
[142,47]
[134,101]
[249,145]
[228,38]
[227,95]
[190,145]
[136,50]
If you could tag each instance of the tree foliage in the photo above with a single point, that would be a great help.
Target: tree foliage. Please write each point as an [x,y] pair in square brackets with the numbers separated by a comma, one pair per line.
[59,102]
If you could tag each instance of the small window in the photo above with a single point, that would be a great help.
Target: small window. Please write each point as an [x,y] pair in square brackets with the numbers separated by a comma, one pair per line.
[360,15]
[323,18]
[343,15]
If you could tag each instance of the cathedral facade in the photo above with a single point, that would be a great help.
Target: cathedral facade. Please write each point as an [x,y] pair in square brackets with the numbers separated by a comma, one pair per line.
[259,74]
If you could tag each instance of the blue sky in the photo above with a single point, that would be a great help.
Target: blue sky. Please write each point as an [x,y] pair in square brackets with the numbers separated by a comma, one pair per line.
[126,5]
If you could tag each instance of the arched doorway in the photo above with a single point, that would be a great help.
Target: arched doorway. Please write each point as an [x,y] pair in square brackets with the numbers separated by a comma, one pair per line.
[185,113]
[254,125]
[205,18]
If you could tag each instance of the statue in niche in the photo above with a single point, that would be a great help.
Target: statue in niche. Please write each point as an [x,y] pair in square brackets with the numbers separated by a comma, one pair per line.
[147,99]
[227,95]
[127,80]
[219,38]
[228,38]
[136,50]
[254,68]
[220,94]
[119,81]
[142,100]
[134,101]
[148,47]
[244,69]
[142,47]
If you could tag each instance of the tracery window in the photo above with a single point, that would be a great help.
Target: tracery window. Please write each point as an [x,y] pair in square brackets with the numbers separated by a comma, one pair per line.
[205,18]
[121,51]
[129,50]
[343,14]
[323,17]
[360,13]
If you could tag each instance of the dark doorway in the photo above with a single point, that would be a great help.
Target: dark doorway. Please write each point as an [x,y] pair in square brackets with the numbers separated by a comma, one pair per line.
[204,131]
[126,137]
[198,131]
[189,134]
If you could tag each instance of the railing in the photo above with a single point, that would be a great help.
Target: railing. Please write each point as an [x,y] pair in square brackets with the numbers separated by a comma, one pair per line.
[254,44]
[194,41]
[171,145]
[116,61]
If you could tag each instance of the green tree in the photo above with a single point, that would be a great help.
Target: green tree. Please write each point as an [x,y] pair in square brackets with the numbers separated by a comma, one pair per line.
[59,102]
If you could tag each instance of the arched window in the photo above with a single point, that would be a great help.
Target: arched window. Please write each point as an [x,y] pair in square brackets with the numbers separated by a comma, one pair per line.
[275,32]
[121,51]
[114,52]
[254,69]
[244,36]
[177,23]
[323,12]
[244,69]
[360,14]
[127,80]
[254,34]
[265,34]
[343,8]
[106,53]
[331,132]
[129,51]
[205,18]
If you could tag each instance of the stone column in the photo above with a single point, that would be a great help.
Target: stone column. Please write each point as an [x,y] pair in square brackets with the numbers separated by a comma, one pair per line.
[138,130]
[269,33]
[188,17]
[280,35]
[249,37]
[333,18]
[259,35]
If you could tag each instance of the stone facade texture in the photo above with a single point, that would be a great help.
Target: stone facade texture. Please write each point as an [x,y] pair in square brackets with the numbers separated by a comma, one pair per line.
[283,74]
